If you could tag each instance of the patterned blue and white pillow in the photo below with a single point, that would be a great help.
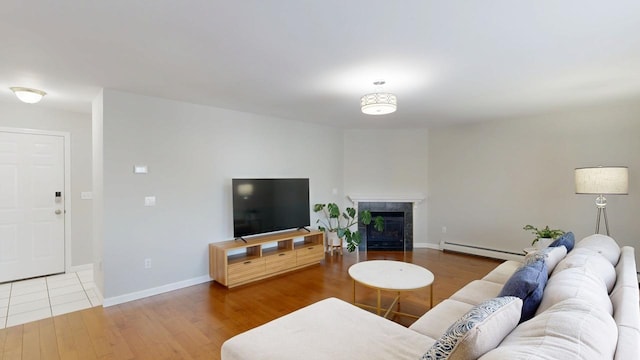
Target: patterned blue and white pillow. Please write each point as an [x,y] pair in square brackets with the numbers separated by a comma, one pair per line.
[479,330]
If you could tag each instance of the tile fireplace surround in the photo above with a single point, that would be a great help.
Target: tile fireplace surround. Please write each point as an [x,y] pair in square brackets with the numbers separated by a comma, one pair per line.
[402,206]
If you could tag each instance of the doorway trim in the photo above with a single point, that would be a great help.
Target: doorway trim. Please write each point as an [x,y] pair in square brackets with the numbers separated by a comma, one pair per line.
[67,183]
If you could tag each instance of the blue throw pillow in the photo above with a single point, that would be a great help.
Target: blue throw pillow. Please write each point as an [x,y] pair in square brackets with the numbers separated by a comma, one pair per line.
[528,284]
[567,239]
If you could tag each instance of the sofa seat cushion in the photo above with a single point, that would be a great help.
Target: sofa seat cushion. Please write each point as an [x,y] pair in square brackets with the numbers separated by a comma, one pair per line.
[477,291]
[503,272]
[479,330]
[437,320]
[602,244]
[328,329]
[578,282]
[584,257]
[528,284]
[571,329]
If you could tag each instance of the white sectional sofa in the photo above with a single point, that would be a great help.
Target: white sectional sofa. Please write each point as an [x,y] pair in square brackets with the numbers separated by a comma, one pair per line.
[590,309]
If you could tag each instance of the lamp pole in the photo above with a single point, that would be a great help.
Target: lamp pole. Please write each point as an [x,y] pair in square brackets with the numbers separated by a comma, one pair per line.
[601,203]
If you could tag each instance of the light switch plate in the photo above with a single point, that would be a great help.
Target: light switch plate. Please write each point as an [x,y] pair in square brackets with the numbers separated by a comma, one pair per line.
[140,169]
[86,195]
[149,201]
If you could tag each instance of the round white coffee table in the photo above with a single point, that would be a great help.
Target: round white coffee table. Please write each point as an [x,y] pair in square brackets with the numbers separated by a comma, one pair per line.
[388,275]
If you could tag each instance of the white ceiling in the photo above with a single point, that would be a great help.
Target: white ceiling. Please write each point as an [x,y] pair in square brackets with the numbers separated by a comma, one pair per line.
[305,60]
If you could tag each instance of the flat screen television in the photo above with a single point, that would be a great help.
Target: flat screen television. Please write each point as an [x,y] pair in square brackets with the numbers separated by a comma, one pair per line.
[268,205]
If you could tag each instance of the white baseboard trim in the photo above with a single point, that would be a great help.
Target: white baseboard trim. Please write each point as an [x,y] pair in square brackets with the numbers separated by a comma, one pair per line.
[84,267]
[475,250]
[426,246]
[154,291]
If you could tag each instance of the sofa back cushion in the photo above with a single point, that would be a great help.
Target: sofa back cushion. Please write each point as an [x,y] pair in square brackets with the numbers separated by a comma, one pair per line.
[528,284]
[479,330]
[584,257]
[602,244]
[571,329]
[579,282]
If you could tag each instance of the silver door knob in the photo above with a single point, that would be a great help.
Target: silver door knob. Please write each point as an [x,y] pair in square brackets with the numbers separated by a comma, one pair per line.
[58,212]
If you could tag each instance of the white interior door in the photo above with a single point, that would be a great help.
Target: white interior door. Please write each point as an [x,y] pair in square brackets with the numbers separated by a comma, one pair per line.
[32,224]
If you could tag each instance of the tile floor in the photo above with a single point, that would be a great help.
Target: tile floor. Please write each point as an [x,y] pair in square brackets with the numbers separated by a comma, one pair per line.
[35,299]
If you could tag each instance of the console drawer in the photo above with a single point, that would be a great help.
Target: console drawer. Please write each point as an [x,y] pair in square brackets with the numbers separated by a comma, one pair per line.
[309,254]
[246,270]
[280,262]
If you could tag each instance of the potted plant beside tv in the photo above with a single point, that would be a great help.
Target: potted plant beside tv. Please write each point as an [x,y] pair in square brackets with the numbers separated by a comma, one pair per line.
[543,237]
[340,224]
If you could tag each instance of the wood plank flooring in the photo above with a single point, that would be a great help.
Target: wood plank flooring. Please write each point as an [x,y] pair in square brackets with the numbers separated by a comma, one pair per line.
[192,323]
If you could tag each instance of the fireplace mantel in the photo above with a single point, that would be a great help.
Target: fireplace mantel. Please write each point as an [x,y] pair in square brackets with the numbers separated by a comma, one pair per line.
[412,198]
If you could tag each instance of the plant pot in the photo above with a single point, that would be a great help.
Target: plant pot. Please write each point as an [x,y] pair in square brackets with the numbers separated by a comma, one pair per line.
[542,243]
[333,242]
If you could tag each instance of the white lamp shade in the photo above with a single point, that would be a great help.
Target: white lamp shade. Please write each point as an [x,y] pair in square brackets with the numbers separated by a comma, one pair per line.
[602,180]
[27,95]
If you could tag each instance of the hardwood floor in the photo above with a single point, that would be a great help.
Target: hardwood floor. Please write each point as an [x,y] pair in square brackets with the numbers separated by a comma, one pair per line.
[192,323]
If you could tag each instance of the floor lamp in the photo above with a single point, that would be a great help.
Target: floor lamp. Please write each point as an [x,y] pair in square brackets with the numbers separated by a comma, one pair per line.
[602,180]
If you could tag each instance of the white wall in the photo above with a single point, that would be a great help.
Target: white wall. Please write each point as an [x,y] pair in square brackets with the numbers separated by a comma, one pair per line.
[192,153]
[389,163]
[488,180]
[32,116]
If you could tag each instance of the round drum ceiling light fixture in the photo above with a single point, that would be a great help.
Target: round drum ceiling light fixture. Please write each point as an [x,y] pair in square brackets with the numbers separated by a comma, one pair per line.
[378,103]
[28,95]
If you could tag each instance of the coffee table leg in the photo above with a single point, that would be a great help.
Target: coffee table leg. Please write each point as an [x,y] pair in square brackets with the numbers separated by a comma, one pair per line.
[354,292]
[431,297]
[379,305]
[396,302]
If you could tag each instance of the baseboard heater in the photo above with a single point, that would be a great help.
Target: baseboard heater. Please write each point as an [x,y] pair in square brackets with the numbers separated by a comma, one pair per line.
[482,251]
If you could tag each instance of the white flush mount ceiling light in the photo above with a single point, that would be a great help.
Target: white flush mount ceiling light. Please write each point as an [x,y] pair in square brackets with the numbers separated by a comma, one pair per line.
[28,95]
[378,103]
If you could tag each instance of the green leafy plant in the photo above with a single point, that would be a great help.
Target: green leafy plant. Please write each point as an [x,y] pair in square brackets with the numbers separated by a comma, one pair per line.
[545,233]
[342,222]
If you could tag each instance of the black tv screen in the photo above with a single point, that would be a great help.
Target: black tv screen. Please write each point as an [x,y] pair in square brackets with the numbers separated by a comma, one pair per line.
[267,205]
